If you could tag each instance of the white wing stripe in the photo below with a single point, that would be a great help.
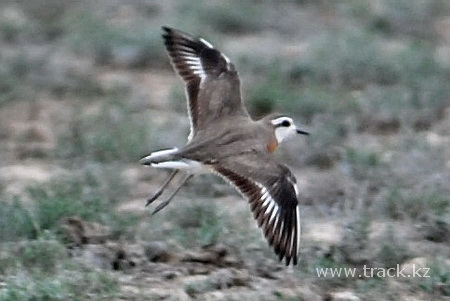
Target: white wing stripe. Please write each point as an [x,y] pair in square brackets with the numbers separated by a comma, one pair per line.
[270,206]
[186,54]
[226,59]
[266,199]
[274,214]
[208,44]
[182,48]
[297,213]
[191,60]
[280,227]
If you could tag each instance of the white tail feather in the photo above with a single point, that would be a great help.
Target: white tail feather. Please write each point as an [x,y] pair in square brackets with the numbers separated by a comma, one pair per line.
[189,166]
[159,156]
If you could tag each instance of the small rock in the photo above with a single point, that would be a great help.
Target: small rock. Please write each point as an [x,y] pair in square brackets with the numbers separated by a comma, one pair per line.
[218,280]
[241,278]
[202,257]
[222,278]
[412,266]
[437,230]
[198,284]
[95,256]
[297,293]
[123,260]
[220,255]
[380,124]
[268,269]
[343,296]
[305,293]
[81,232]
[226,278]
[158,251]
[197,268]
[164,294]
[111,82]
[33,150]
[216,296]
[169,275]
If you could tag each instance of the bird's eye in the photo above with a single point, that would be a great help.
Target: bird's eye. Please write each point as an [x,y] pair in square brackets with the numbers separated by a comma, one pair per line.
[286,123]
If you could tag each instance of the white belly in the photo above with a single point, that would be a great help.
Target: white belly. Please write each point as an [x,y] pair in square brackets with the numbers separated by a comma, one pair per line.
[189,166]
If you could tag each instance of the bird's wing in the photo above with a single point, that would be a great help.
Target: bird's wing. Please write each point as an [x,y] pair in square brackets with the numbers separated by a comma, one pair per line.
[212,83]
[271,191]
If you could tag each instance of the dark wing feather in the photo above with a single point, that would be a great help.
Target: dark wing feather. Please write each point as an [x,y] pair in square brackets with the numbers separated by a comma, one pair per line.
[271,191]
[212,83]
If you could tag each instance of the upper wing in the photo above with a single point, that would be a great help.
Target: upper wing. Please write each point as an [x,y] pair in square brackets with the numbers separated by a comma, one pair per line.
[272,193]
[212,83]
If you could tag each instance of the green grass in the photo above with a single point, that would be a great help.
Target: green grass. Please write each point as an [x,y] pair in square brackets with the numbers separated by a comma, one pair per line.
[222,17]
[429,203]
[15,220]
[375,63]
[437,284]
[45,18]
[393,250]
[41,270]
[362,164]
[352,74]
[67,282]
[397,17]
[13,73]
[356,238]
[21,77]
[65,285]
[91,196]
[226,18]
[107,40]
[10,29]
[43,255]
[277,91]
[419,207]
[113,133]
[324,142]
[349,60]
[198,224]
[194,223]
[376,288]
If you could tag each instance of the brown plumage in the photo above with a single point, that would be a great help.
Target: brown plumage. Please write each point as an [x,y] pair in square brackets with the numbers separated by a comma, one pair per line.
[225,140]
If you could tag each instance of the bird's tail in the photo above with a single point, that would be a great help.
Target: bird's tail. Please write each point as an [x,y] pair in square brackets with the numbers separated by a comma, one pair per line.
[172,159]
[161,156]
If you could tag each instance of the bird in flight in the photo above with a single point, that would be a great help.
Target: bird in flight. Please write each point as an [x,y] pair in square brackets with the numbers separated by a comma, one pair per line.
[225,140]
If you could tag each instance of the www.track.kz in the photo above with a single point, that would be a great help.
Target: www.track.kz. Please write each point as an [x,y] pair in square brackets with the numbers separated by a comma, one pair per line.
[370,272]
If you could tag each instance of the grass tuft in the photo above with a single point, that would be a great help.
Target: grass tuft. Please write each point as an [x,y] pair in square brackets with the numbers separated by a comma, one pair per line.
[438,282]
[90,196]
[108,135]
[199,224]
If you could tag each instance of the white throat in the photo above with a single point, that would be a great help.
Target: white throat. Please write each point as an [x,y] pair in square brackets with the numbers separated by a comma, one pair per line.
[284,132]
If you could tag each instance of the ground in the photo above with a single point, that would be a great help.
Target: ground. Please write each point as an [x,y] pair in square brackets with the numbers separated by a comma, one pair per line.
[86,90]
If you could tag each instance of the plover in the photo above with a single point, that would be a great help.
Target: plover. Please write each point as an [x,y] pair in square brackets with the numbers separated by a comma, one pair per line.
[225,140]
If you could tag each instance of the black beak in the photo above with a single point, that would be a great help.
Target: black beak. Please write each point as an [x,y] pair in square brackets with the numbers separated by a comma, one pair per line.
[302,132]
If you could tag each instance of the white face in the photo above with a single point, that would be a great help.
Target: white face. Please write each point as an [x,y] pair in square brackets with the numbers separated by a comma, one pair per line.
[284,128]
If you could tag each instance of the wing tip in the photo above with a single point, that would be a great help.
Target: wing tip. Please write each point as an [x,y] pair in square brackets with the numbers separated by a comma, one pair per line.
[289,259]
[167,32]
[288,248]
[280,229]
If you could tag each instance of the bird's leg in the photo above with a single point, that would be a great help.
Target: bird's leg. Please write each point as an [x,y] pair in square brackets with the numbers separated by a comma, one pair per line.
[161,190]
[166,202]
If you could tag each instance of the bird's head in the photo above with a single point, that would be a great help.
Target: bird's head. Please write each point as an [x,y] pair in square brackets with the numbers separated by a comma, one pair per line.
[284,127]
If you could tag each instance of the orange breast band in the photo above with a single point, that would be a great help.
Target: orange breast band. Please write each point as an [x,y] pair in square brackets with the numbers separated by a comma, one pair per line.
[272,146]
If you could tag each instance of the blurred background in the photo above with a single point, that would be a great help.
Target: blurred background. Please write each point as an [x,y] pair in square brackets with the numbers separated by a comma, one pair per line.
[86,90]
